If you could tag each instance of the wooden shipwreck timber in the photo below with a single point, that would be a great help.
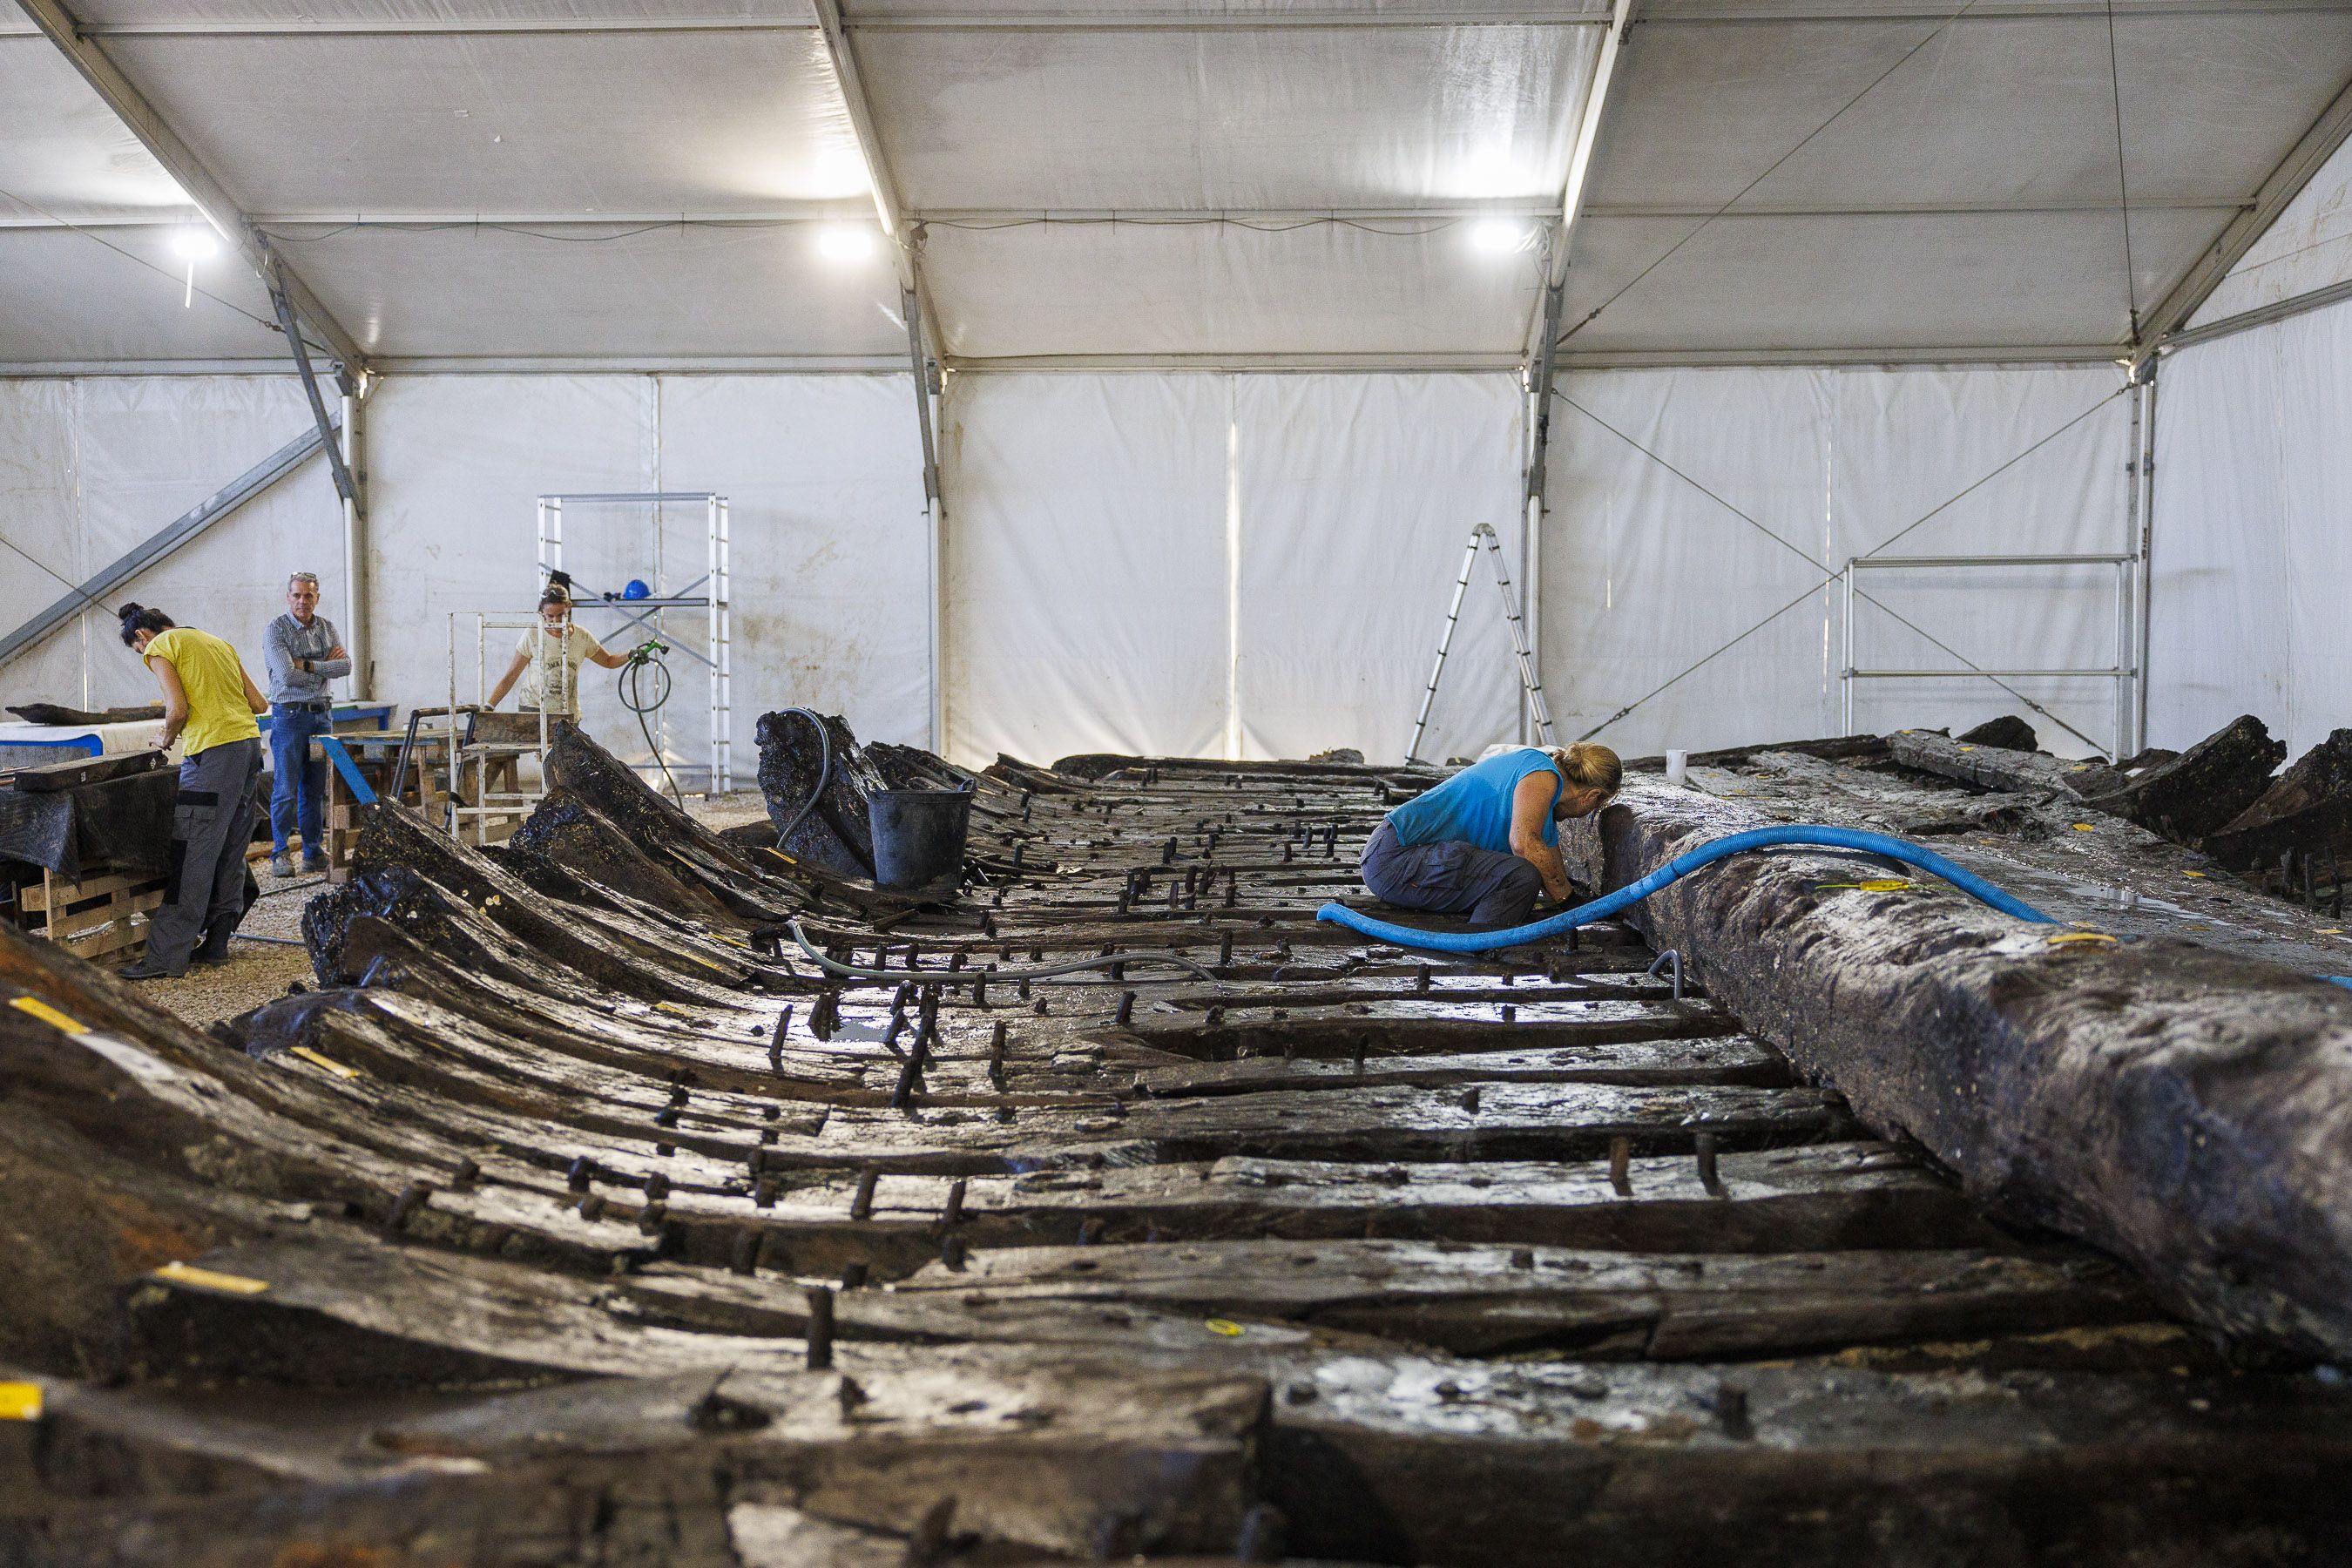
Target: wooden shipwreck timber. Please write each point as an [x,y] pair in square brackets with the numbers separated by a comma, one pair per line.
[578,1216]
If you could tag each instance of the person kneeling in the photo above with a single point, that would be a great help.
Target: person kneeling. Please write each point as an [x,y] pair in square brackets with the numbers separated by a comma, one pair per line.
[1486,841]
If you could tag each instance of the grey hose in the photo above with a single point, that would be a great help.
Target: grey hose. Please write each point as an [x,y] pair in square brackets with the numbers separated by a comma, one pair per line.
[823,772]
[958,977]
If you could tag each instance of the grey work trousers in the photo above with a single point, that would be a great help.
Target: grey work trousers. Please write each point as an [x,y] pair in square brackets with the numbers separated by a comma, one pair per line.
[211,822]
[1450,878]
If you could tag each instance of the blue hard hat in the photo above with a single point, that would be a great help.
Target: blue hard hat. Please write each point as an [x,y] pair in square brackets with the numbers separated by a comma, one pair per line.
[637,589]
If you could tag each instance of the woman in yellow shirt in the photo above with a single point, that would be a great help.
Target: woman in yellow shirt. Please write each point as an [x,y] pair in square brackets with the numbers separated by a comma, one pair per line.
[208,701]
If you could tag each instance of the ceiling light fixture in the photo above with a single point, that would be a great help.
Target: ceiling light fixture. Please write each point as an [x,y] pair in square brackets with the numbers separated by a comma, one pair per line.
[193,244]
[1498,235]
[846,242]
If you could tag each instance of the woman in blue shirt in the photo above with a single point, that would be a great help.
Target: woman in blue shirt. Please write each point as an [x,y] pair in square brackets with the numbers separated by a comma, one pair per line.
[1486,842]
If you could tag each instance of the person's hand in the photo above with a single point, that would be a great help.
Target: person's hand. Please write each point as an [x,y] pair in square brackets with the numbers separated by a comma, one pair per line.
[336,652]
[303,665]
[162,740]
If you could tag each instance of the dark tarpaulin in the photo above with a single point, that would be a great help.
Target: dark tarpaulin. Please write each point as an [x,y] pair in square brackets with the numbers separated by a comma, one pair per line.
[118,825]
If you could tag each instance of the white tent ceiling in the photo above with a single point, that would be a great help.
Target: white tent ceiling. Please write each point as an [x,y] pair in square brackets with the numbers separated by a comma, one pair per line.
[643,181]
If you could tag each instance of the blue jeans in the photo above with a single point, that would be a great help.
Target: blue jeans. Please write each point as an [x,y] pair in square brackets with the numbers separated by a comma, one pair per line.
[1450,878]
[298,794]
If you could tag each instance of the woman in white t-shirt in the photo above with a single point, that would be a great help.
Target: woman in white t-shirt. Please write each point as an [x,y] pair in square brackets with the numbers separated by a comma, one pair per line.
[548,657]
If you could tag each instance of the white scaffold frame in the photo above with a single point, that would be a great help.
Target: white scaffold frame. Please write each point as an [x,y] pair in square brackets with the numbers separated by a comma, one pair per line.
[2121,670]
[480,752]
[648,614]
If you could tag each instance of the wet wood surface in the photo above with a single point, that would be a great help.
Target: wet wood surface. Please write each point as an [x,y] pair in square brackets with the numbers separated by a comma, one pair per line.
[578,1216]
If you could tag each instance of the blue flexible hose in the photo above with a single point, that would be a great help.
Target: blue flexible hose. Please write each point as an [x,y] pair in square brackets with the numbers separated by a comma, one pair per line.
[1682,865]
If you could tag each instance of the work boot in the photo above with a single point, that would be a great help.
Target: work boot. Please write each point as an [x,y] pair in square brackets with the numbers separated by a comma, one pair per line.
[149,968]
[282,863]
[313,862]
[215,950]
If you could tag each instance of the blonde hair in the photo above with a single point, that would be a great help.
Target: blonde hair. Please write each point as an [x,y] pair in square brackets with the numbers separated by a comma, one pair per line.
[1588,766]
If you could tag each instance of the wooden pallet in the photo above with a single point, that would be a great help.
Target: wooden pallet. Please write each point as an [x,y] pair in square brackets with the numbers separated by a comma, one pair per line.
[99,916]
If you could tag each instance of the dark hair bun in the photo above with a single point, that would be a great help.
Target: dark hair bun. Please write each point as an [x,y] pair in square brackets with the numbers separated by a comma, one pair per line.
[130,611]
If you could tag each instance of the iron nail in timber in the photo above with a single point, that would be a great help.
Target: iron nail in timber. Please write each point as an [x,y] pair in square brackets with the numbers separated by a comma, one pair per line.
[980,988]
[745,1258]
[652,1217]
[911,1077]
[1702,1144]
[1175,892]
[582,1173]
[1363,1048]
[1421,977]
[764,1193]
[854,1275]
[1286,852]
[996,1046]
[1263,1537]
[592,1205]
[1224,949]
[1214,1018]
[1126,1014]
[1621,1166]
[657,1186]
[1232,889]
[666,1117]
[1731,1409]
[861,1205]
[413,1197]
[951,1253]
[951,1213]
[467,1172]
[1523,1257]
[1126,900]
[1016,856]
[1090,1230]
[1470,1100]
[820,1327]
[1671,961]
[1510,1014]
[927,1547]
[1025,805]
[1168,851]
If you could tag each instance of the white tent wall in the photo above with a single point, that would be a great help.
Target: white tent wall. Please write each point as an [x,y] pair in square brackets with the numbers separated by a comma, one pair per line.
[1356,496]
[89,466]
[1777,477]
[1085,558]
[823,473]
[822,476]
[2253,553]
[1223,564]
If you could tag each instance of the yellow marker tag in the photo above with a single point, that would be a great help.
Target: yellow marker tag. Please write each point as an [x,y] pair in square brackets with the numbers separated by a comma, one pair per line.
[46,1013]
[2192,873]
[206,1278]
[1968,748]
[673,1007]
[20,1402]
[2084,827]
[1886,885]
[732,942]
[2329,931]
[2067,936]
[1224,1326]
[2079,768]
[315,1059]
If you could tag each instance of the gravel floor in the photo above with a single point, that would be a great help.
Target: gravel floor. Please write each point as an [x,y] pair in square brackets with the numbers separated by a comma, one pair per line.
[259,971]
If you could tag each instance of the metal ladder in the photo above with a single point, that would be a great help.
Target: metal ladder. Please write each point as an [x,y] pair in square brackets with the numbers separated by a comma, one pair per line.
[1529,682]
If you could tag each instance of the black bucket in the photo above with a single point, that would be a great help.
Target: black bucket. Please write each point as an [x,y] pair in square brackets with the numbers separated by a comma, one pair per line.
[919,835]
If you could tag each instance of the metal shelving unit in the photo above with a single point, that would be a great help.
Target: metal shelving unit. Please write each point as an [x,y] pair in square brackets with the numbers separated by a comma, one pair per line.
[707,593]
